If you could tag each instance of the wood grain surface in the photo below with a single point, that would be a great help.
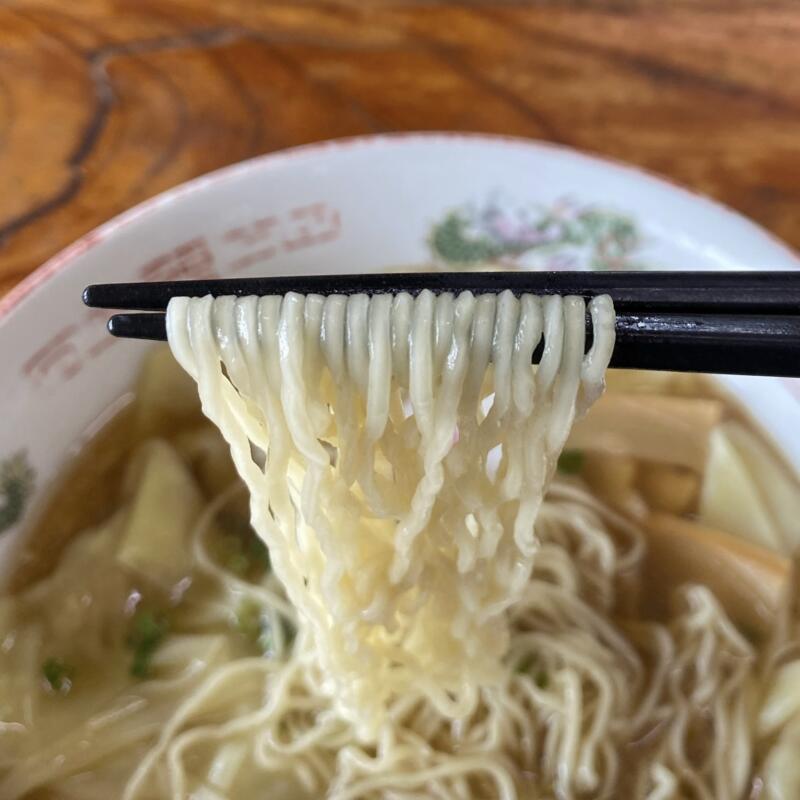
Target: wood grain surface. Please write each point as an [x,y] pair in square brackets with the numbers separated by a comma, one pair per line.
[103,103]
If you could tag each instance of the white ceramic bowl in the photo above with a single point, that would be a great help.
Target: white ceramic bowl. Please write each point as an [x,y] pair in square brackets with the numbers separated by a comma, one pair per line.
[347,206]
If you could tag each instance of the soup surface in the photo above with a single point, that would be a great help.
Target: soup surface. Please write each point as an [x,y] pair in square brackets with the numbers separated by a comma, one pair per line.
[144,637]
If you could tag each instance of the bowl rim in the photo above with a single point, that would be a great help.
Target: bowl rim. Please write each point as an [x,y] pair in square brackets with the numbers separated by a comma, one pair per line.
[26,289]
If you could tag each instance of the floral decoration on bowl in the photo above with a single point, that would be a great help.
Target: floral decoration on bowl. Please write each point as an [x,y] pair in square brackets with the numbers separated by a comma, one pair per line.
[16,486]
[565,235]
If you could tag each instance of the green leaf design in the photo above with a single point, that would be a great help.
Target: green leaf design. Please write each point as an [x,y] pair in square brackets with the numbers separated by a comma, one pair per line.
[17,479]
[450,242]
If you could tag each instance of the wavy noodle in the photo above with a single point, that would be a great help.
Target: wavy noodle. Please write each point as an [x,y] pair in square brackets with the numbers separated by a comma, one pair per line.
[400,581]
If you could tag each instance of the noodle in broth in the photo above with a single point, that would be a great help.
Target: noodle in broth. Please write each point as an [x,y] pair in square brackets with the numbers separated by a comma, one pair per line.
[429,623]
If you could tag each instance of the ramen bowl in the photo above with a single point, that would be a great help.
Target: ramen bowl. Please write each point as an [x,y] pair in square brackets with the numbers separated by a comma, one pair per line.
[449,201]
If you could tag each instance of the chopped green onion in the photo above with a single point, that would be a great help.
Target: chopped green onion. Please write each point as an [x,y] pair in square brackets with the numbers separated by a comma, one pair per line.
[570,462]
[529,664]
[525,663]
[248,619]
[253,624]
[241,549]
[257,552]
[237,562]
[58,675]
[146,634]
[289,632]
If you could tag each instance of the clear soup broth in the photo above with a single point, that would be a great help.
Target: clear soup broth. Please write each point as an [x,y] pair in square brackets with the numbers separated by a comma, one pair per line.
[143,624]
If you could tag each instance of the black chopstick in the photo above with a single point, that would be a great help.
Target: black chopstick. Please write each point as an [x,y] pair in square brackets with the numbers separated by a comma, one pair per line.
[751,292]
[743,322]
[713,343]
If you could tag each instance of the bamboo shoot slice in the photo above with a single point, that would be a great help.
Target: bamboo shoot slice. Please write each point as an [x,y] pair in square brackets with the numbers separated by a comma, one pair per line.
[777,484]
[730,499]
[165,505]
[749,581]
[667,430]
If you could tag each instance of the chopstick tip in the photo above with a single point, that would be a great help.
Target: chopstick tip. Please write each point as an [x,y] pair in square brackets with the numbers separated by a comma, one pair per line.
[138,326]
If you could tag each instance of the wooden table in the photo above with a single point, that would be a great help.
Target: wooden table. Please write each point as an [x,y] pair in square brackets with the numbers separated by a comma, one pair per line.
[105,103]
